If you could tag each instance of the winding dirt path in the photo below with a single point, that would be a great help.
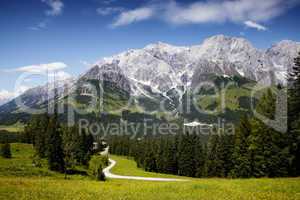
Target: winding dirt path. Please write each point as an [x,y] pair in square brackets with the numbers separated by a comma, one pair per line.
[108,174]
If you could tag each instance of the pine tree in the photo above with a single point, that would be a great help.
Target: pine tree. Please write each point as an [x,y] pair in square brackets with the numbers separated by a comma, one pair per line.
[241,156]
[35,133]
[5,150]
[294,93]
[268,147]
[170,153]
[226,149]
[294,116]
[150,163]
[28,136]
[200,157]
[84,147]
[214,162]
[30,130]
[40,129]
[186,163]
[69,147]
[160,154]
[55,153]
[81,149]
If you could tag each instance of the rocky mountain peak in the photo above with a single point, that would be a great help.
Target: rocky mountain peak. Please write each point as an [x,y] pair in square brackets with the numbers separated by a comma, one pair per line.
[222,39]
[164,47]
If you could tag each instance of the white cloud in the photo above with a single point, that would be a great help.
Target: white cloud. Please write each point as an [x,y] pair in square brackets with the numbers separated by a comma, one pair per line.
[194,13]
[131,16]
[56,7]
[222,11]
[40,68]
[213,11]
[109,10]
[5,96]
[255,25]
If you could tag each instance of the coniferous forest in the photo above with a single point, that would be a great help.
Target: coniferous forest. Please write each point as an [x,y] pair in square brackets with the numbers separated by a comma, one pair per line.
[63,147]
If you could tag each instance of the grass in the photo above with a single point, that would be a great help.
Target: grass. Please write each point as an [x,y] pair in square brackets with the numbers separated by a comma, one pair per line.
[28,184]
[21,165]
[208,189]
[127,166]
[12,128]
[231,99]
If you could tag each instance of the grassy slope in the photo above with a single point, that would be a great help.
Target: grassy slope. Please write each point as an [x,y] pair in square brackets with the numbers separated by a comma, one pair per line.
[21,163]
[127,166]
[30,186]
[231,99]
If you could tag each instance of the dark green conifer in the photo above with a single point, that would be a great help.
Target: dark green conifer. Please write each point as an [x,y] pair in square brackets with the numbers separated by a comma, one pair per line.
[5,150]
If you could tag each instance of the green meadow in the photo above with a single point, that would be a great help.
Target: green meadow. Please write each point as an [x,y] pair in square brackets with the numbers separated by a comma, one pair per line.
[18,127]
[19,179]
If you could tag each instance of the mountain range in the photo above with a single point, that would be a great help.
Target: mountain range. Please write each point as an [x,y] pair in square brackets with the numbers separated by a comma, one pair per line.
[163,72]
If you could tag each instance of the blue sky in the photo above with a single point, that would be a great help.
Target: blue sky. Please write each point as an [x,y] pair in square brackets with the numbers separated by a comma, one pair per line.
[70,34]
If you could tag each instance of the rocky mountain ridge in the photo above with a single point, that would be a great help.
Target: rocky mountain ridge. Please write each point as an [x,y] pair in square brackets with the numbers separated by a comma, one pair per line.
[160,68]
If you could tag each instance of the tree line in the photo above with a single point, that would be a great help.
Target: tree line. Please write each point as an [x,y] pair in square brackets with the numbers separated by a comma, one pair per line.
[63,147]
[254,150]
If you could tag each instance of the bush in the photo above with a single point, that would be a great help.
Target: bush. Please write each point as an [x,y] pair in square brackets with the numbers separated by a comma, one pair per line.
[96,165]
[37,161]
[5,150]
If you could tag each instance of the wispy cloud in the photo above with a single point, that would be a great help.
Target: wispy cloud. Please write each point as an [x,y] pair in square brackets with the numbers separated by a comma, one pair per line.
[255,25]
[56,7]
[131,16]
[40,68]
[109,10]
[214,11]
[108,2]
[222,11]
[41,25]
